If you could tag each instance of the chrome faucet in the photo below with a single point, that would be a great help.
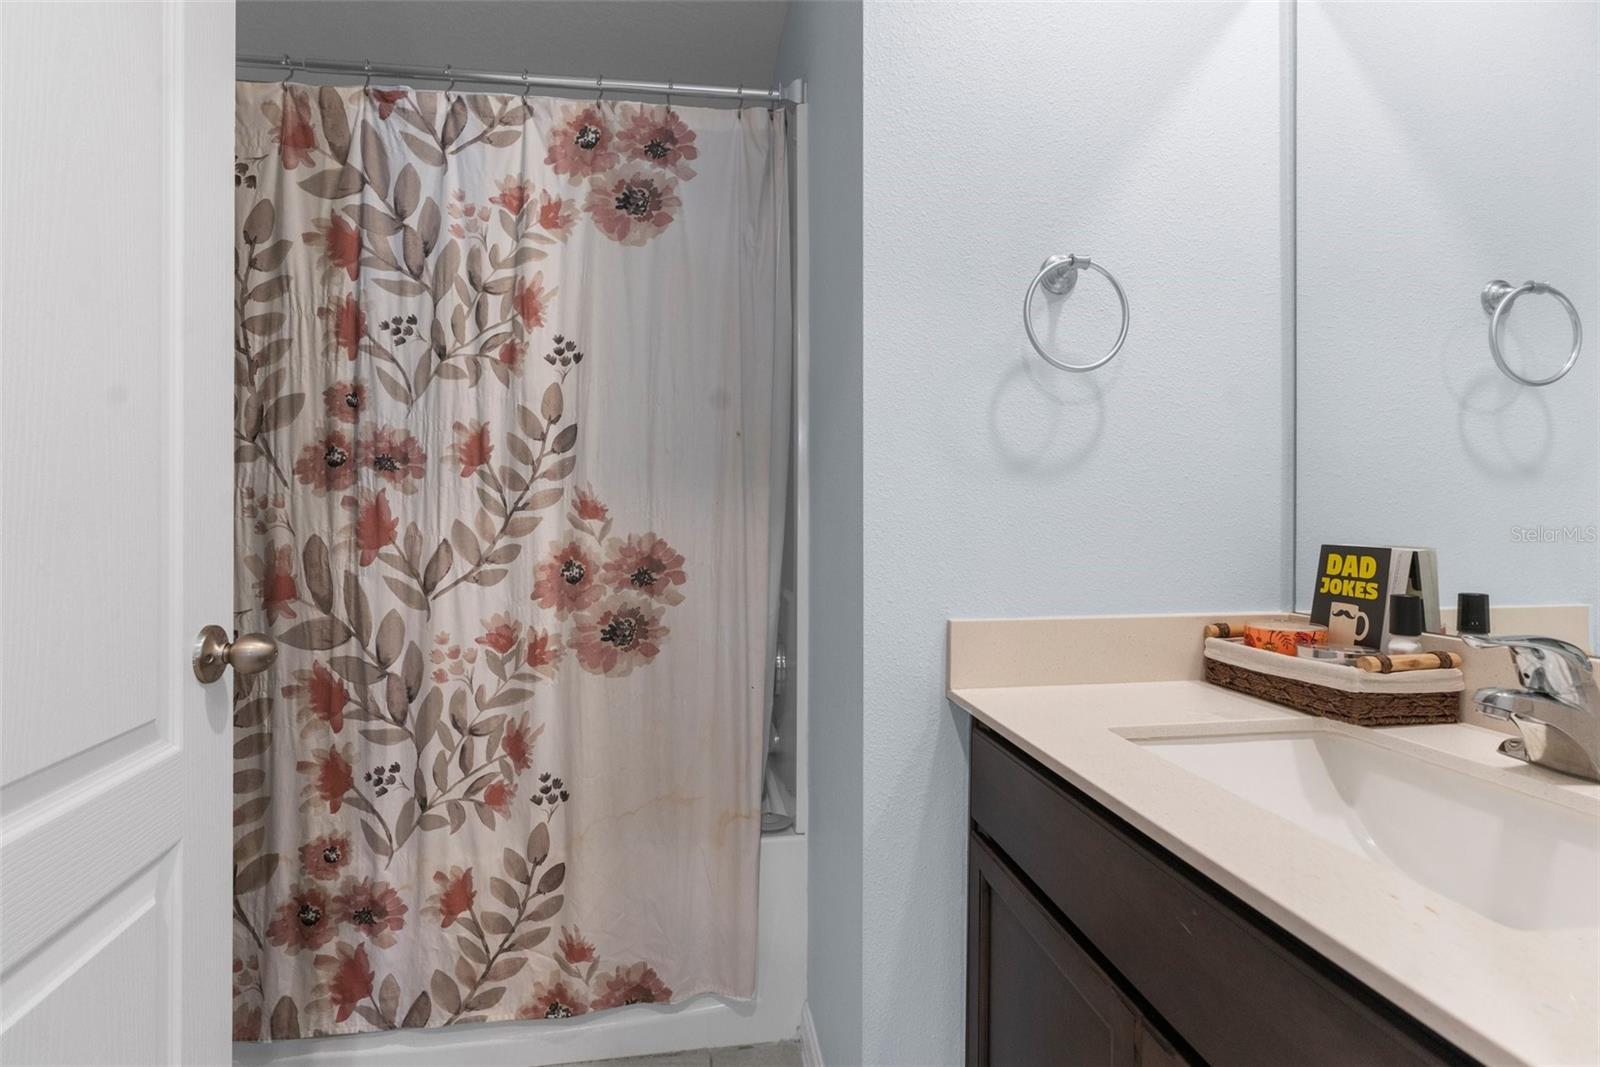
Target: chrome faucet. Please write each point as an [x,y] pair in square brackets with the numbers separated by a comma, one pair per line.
[1556,713]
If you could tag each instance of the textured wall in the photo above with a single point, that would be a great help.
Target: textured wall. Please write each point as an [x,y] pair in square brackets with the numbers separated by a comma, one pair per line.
[822,44]
[995,134]
[1440,146]
[719,41]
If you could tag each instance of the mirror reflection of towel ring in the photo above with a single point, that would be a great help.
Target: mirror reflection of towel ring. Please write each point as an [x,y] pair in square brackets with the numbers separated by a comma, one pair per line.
[1498,297]
[1058,275]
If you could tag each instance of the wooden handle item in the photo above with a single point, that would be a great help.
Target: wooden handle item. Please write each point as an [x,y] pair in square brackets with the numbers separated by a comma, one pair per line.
[1410,661]
[1224,629]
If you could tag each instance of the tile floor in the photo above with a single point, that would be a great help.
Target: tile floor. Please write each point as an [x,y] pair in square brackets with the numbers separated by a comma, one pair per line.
[776,1054]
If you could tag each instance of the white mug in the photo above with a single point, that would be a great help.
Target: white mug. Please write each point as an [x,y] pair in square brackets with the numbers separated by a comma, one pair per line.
[1347,623]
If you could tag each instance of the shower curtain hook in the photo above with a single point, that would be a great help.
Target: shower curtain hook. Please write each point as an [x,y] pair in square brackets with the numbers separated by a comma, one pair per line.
[527,85]
[600,89]
[288,72]
[449,73]
[741,98]
[366,66]
[669,99]
[772,101]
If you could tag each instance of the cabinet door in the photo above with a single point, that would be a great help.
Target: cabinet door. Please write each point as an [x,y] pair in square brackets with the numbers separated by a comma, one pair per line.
[1033,996]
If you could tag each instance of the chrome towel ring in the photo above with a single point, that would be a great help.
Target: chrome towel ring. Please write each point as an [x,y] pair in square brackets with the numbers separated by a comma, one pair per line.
[1497,298]
[1058,275]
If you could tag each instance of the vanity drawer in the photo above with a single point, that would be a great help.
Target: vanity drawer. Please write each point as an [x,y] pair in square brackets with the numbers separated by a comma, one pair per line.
[1237,989]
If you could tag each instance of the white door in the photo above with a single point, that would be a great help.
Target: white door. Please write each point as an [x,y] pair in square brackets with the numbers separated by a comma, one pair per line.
[116,133]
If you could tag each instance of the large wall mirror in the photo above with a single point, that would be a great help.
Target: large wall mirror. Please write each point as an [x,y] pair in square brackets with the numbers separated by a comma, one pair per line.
[1438,147]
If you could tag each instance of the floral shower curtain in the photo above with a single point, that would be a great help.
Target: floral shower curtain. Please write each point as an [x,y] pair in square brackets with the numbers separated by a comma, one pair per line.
[511,413]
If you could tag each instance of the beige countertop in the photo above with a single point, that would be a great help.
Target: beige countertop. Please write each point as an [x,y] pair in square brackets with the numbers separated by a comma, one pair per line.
[1503,995]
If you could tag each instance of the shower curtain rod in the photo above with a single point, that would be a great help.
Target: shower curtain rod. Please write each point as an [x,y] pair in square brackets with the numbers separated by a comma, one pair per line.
[600,84]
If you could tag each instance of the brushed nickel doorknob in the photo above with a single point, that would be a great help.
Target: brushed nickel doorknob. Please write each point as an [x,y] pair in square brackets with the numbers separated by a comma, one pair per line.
[249,654]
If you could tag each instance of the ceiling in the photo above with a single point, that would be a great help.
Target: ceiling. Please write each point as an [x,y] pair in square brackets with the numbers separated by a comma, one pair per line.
[725,42]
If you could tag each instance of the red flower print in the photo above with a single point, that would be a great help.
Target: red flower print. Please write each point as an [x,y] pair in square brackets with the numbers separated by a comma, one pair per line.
[341,244]
[514,194]
[633,206]
[473,447]
[587,506]
[294,134]
[518,744]
[326,464]
[386,99]
[638,984]
[569,580]
[331,778]
[373,908]
[275,586]
[554,1000]
[454,661]
[470,218]
[557,215]
[393,455]
[646,564]
[532,301]
[620,634]
[574,947]
[499,795]
[501,633]
[375,525]
[343,401]
[323,858]
[349,326]
[658,137]
[581,144]
[348,979]
[544,652]
[321,694]
[511,353]
[302,921]
[454,896]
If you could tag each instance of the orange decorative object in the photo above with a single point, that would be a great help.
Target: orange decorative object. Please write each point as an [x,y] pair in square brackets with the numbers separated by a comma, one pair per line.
[1284,634]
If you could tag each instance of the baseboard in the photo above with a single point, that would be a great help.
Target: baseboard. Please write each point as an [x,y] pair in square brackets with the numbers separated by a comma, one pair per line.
[810,1051]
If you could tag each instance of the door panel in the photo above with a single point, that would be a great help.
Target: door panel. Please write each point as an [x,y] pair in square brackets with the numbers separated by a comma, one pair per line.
[1034,996]
[116,132]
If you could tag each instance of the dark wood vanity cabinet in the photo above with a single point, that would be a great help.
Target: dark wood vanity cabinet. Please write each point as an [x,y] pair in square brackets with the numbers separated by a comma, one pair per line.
[1088,944]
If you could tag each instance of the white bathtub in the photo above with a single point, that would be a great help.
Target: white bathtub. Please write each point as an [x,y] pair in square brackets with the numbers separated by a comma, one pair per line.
[773,1015]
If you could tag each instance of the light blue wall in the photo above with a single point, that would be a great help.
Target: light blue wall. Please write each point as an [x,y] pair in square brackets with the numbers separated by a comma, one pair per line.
[822,44]
[1147,136]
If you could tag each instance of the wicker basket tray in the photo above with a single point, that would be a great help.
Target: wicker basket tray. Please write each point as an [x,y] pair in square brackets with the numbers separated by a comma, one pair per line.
[1331,691]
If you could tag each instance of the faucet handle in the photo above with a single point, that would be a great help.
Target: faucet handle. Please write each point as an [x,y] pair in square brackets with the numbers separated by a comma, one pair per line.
[1575,656]
[1547,665]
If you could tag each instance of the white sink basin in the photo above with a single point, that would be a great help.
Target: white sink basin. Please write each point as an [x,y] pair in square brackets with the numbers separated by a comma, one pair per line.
[1517,859]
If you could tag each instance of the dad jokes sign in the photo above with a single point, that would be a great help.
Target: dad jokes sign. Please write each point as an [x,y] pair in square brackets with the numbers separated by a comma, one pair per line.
[1351,594]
